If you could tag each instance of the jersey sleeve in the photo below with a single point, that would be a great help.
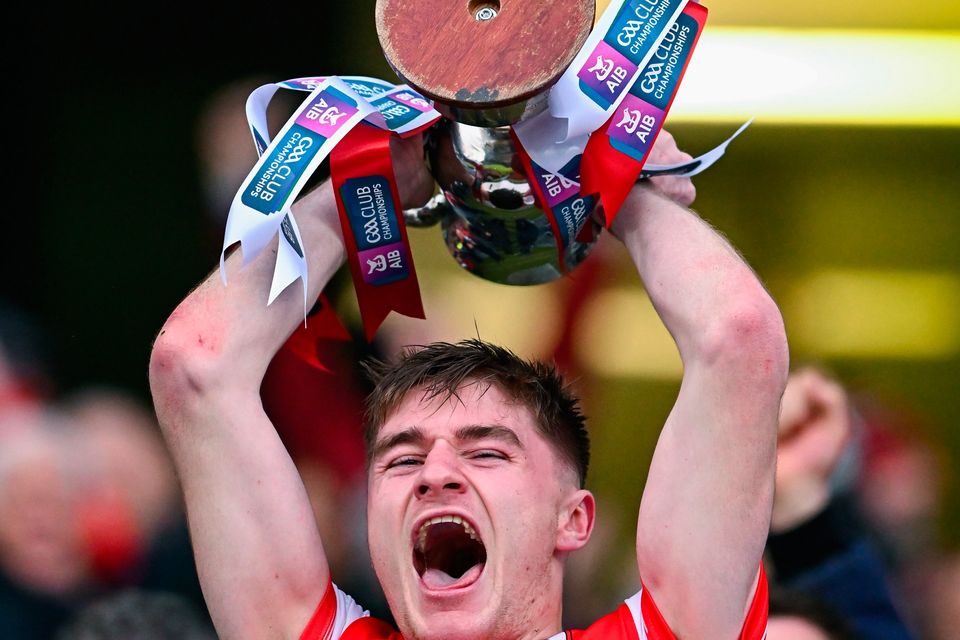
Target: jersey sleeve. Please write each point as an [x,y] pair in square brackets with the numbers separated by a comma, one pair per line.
[334,614]
[650,624]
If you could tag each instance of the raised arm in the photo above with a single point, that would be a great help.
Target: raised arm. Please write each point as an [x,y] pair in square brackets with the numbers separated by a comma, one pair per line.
[706,506]
[259,555]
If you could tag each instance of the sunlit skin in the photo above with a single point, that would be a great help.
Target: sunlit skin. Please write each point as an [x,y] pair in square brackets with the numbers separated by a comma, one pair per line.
[484,460]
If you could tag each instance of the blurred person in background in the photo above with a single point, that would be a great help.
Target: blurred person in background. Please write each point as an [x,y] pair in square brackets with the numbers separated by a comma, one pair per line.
[817,545]
[901,488]
[136,614]
[131,491]
[44,567]
[800,615]
[88,504]
[132,515]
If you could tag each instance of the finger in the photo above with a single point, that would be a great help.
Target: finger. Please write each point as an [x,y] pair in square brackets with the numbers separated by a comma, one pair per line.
[666,137]
[824,393]
[792,405]
[689,194]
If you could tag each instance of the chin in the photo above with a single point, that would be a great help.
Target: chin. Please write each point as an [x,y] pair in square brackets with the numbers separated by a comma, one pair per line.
[458,614]
[450,625]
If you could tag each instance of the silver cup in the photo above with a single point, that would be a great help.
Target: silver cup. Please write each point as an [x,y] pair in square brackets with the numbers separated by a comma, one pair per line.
[486,207]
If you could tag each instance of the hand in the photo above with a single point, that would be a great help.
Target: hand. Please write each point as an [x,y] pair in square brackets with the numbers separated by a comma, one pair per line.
[679,190]
[665,151]
[815,426]
[414,181]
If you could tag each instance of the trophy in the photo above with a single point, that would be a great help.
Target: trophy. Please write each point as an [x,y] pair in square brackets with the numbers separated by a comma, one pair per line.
[537,116]
[488,65]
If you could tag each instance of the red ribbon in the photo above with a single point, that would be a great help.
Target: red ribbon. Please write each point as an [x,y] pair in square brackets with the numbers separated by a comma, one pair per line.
[322,324]
[608,172]
[540,198]
[365,152]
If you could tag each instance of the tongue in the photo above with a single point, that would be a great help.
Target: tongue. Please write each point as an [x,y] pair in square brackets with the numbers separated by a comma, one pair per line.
[437,579]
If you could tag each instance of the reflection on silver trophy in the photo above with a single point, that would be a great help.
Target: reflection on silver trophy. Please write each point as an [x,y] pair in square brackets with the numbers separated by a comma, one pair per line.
[491,223]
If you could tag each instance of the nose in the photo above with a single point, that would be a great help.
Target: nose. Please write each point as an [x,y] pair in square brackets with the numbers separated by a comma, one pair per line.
[440,474]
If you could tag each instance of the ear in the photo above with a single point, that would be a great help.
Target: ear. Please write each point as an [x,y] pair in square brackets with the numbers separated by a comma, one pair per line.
[575,521]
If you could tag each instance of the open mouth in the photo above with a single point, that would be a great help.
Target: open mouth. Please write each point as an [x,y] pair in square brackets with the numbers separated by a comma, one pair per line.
[448,553]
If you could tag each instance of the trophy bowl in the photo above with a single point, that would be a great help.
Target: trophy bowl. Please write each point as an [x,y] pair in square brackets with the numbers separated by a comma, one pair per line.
[487,65]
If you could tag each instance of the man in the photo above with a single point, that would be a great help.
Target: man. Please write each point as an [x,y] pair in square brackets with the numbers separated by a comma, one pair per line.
[475,499]
[818,546]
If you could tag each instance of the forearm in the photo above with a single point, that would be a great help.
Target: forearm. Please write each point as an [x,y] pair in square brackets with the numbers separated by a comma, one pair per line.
[711,477]
[702,289]
[259,555]
[221,329]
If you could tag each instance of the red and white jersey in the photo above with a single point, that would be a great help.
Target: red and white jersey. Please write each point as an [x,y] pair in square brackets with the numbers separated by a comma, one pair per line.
[338,617]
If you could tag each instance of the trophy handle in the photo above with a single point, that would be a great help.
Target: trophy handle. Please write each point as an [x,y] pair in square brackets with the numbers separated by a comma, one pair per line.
[430,214]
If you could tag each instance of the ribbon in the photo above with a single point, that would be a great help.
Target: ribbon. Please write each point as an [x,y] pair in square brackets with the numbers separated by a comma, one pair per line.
[261,207]
[600,76]
[559,196]
[324,324]
[616,152]
[399,108]
[604,74]
[374,234]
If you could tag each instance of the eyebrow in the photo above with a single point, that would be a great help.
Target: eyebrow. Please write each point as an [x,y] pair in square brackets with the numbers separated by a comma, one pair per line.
[469,433]
[483,432]
[412,435]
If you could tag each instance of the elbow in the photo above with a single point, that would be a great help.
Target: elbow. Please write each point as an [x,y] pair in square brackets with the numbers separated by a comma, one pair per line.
[748,341]
[183,371]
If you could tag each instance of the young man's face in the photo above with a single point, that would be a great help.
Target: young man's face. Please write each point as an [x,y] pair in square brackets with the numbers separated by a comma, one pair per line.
[469,514]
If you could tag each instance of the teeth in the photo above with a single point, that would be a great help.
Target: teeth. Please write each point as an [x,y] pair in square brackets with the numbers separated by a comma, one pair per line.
[422,534]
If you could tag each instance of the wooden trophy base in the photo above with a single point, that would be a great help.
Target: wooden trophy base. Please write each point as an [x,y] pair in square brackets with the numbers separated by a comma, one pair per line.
[483,62]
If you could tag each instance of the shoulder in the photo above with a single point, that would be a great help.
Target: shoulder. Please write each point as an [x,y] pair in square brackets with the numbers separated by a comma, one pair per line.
[339,617]
[638,618]
[620,624]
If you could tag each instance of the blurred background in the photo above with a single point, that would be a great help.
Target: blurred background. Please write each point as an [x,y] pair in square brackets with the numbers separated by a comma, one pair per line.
[129,141]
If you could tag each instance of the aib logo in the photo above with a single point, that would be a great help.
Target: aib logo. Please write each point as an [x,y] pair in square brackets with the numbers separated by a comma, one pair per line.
[413,100]
[324,114]
[602,68]
[634,120]
[557,186]
[607,71]
[380,263]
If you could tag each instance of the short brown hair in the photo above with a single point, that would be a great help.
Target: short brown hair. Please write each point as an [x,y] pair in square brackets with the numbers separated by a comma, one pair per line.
[441,369]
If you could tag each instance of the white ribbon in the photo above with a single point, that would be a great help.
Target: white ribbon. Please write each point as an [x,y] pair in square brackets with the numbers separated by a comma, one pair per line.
[281,160]
[556,136]
[396,108]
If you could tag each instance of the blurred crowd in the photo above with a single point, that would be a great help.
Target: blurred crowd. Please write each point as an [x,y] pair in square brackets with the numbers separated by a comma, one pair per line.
[89,502]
